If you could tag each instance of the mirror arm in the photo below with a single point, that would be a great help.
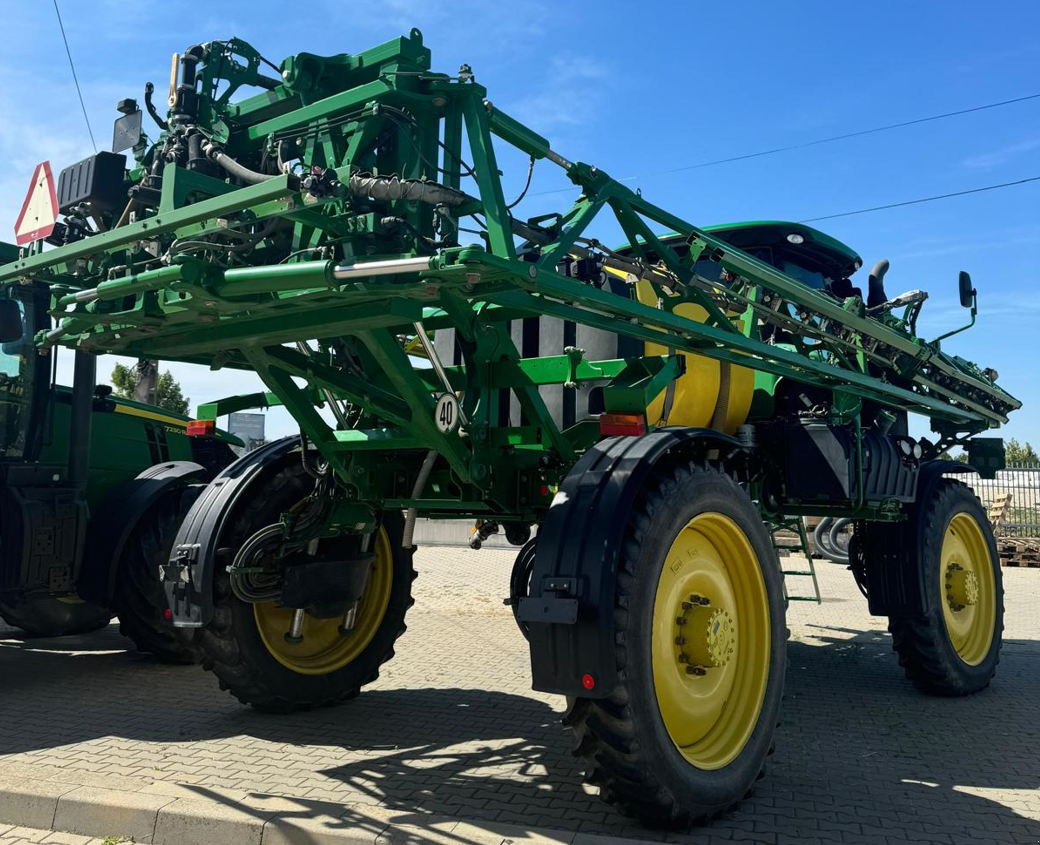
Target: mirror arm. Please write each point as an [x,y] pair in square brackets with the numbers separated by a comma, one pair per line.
[974,312]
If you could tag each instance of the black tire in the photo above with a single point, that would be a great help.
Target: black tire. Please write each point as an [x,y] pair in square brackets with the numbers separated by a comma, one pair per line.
[926,651]
[48,616]
[622,739]
[140,600]
[232,644]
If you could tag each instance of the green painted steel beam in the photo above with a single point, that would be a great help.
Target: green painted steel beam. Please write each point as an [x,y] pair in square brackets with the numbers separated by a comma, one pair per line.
[243,198]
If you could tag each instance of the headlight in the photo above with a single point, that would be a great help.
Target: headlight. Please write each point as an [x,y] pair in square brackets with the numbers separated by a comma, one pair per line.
[795,238]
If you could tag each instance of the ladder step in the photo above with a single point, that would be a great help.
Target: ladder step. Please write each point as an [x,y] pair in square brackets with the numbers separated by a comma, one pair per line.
[798,544]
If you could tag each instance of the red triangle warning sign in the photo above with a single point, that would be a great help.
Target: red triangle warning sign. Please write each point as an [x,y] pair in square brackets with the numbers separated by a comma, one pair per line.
[40,209]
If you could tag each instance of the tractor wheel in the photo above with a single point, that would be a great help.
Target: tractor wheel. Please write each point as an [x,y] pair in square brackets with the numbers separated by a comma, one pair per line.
[48,616]
[246,645]
[701,655]
[955,647]
[140,600]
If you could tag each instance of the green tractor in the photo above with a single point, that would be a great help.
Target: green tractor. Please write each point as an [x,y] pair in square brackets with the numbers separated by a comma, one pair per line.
[649,416]
[92,489]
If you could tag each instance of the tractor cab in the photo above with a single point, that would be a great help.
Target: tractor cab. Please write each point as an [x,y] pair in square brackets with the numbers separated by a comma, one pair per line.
[23,373]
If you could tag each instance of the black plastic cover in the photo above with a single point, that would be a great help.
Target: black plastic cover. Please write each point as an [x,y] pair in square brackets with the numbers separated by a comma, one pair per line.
[819,463]
[97,180]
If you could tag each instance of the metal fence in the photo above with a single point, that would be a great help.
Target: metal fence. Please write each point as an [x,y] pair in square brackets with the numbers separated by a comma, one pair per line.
[1022,483]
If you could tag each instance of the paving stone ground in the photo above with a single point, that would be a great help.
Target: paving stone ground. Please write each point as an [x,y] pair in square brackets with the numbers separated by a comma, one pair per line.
[13,835]
[453,729]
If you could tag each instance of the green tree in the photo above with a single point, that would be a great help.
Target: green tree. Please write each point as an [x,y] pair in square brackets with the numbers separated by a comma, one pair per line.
[124,381]
[1020,453]
[167,391]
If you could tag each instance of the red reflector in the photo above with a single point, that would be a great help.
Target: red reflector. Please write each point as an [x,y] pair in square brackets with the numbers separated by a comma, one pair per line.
[588,681]
[624,424]
[544,490]
[200,428]
[168,614]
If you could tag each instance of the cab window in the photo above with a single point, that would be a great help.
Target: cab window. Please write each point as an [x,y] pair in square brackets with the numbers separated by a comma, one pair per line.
[11,353]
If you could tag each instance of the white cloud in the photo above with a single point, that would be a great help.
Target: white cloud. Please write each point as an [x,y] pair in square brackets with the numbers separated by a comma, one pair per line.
[569,94]
[1001,155]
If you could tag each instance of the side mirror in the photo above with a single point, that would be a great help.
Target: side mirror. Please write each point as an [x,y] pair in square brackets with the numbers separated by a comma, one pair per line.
[10,321]
[966,290]
[967,293]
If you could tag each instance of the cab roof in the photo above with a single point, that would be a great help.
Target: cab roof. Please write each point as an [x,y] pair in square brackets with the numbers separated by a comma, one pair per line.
[820,248]
[761,233]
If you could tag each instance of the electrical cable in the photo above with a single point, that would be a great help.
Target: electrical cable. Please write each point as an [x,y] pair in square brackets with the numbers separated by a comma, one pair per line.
[921,200]
[75,79]
[814,143]
[527,185]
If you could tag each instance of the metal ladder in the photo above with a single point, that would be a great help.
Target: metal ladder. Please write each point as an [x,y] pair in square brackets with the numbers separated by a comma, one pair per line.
[797,526]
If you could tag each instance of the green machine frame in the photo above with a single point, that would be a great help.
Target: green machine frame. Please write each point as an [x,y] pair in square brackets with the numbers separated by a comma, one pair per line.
[380,143]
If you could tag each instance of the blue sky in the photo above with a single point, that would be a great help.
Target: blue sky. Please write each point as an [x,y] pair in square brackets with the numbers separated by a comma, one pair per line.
[637,89]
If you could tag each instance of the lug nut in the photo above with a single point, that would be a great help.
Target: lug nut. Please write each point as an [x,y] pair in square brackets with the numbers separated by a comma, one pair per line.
[699,671]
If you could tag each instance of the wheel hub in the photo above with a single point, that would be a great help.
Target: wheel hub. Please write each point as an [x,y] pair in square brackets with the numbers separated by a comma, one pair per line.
[962,587]
[706,635]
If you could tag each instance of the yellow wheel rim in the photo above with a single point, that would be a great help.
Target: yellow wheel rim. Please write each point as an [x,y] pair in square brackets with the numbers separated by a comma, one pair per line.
[968,589]
[711,641]
[323,648]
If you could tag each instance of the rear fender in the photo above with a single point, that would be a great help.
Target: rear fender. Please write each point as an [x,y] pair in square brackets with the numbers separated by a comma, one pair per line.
[892,552]
[570,609]
[188,576]
[110,528]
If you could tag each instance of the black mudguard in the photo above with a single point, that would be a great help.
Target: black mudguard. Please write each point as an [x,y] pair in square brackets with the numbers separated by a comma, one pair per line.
[570,609]
[188,576]
[111,527]
[892,551]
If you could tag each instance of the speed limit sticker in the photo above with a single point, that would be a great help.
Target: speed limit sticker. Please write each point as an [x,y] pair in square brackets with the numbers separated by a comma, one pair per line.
[446,414]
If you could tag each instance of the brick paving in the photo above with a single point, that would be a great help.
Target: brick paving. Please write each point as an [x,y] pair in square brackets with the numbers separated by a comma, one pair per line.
[14,835]
[452,728]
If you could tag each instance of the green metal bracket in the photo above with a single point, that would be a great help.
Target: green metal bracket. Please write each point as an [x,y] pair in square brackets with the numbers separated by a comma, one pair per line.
[642,381]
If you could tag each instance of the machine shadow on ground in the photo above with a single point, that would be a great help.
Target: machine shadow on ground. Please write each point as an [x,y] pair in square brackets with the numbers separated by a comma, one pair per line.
[859,751]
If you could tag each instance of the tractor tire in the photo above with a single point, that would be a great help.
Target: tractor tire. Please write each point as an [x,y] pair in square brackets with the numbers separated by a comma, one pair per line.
[245,644]
[139,599]
[954,648]
[701,655]
[48,616]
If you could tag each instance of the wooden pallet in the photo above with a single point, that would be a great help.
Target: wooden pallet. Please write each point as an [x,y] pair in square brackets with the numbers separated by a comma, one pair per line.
[997,510]
[1019,551]
[1028,563]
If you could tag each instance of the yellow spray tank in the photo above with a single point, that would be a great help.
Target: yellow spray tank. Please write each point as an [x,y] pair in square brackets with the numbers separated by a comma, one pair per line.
[717,394]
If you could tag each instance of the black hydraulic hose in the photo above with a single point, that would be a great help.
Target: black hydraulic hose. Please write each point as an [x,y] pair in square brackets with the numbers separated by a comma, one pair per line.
[832,536]
[148,89]
[825,535]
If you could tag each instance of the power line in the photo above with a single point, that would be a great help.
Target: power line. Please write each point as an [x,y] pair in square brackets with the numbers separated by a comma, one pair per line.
[75,79]
[829,140]
[921,200]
